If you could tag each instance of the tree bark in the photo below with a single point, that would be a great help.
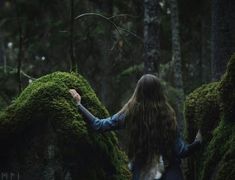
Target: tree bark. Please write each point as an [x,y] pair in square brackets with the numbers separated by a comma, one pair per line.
[3,61]
[72,59]
[223,36]
[205,44]
[106,84]
[151,36]
[176,62]
[20,51]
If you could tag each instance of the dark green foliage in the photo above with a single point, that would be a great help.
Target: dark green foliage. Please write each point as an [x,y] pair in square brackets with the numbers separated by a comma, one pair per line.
[47,100]
[217,158]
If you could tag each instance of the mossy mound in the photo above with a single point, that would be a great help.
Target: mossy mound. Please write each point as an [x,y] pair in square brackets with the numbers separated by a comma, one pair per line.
[227,91]
[81,151]
[202,111]
[211,107]
[219,161]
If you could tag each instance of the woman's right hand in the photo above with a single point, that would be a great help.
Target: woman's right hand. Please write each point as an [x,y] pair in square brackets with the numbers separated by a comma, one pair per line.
[199,136]
[75,95]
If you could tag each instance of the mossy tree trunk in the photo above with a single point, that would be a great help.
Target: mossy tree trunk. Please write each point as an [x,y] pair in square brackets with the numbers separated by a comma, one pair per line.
[151,36]
[223,36]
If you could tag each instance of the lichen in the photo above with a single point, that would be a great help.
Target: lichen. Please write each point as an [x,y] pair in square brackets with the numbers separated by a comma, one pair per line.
[95,155]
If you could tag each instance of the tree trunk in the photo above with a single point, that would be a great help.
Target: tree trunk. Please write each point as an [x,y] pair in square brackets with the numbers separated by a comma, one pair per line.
[20,51]
[3,61]
[72,59]
[205,44]
[176,62]
[223,36]
[203,54]
[105,44]
[151,36]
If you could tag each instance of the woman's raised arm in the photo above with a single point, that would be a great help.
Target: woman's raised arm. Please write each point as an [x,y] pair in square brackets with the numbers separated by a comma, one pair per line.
[111,123]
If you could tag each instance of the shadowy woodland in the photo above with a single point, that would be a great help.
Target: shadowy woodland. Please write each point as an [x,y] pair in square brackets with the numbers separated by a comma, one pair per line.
[101,48]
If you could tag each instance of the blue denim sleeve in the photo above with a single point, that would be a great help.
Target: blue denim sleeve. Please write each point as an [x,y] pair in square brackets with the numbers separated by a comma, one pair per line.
[111,123]
[182,149]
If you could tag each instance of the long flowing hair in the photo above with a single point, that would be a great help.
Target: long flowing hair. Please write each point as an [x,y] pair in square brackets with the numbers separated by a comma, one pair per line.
[150,122]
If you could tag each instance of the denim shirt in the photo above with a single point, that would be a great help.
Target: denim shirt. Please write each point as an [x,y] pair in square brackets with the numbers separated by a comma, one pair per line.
[180,148]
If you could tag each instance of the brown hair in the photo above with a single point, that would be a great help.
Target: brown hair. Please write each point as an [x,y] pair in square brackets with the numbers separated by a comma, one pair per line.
[150,122]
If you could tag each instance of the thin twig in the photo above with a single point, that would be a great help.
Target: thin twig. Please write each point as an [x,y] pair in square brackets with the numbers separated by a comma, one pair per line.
[102,16]
[28,76]
[112,23]
[123,15]
[22,72]
[130,32]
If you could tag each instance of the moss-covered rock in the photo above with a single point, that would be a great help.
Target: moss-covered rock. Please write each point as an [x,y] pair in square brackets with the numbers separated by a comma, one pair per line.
[202,111]
[44,136]
[220,154]
[227,91]
[211,109]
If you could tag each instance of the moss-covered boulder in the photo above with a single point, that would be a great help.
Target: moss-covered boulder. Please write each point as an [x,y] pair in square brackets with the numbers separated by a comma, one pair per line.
[219,156]
[227,91]
[44,137]
[211,108]
[202,111]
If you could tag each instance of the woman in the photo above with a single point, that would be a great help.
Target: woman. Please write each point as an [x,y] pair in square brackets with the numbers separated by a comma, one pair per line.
[154,143]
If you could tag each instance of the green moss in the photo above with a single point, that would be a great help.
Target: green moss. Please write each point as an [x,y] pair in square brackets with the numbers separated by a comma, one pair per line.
[220,153]
[226,170]
[227,91]
[202,111]
[47,99]
[211,108]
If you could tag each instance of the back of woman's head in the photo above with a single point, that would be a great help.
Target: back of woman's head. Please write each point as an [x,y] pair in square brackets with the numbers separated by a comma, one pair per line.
[149,89]
[151,123]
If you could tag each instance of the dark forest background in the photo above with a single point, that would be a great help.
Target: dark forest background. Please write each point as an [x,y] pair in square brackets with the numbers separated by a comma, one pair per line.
[38,33]
[112,43]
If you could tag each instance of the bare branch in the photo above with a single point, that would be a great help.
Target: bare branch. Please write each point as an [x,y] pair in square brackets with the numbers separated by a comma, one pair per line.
[21,72]
[112,23]
[133,34]
[101,16]
[123,15]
